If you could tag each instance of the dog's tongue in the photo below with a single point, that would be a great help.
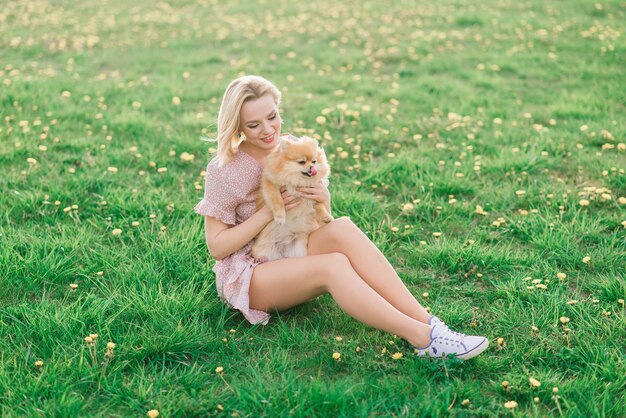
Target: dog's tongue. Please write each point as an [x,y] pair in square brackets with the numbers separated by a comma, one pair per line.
[313,171]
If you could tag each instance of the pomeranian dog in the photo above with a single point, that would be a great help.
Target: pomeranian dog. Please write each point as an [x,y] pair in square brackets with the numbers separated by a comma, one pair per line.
[295,163]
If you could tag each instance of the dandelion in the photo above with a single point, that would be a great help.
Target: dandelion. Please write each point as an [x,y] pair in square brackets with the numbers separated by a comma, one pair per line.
[510,405]
[407,207]
[185,156]
[425,294]
[116,232]
[465,402]
[586,259]
[320,120]
[437,234]
[555,390]
[112,169]
[583,202]
[520,193]
[534,382]
[338,338]
[336,356]
[536,399]
[136,104]
[39,363]
[153,413]
[561,276]
[500,341]
[564,320]
[110,346]
[162,169]
[31,161]
[73,286]
[219,369]
[135,223]
[176,101]
[396,356]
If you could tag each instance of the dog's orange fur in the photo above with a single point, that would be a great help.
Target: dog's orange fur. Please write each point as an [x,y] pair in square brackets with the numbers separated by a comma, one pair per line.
[287,234]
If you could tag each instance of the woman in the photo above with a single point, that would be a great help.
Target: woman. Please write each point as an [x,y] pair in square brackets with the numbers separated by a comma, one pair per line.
[341,260]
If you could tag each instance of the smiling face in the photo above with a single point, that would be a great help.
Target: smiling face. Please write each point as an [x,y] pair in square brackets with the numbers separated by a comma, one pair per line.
[260,123]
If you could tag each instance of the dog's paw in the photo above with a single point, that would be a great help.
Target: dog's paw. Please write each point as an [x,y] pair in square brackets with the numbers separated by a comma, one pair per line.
[280,218]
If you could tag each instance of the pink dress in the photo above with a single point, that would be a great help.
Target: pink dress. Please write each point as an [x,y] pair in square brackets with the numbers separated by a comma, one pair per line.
[230,196]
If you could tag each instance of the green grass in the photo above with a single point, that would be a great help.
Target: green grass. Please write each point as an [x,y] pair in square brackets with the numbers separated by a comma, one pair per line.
[415,94]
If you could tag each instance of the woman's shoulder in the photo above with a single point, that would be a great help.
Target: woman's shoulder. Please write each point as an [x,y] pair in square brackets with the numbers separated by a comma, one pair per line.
[239,172]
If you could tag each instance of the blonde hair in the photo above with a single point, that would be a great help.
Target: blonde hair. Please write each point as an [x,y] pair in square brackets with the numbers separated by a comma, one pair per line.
[239,91]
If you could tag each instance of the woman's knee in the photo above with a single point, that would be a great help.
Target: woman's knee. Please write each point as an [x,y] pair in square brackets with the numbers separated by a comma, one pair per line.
[341,228]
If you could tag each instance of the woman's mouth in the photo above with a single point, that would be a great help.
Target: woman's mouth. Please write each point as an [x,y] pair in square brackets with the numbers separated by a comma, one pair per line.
[268,139]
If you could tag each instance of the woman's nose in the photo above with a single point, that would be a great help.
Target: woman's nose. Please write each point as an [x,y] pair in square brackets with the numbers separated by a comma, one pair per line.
[267,127]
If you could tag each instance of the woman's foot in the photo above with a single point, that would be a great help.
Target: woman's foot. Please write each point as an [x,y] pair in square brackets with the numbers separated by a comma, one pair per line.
[445,341]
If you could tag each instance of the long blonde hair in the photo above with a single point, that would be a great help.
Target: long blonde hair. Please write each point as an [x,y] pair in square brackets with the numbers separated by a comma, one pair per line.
[239,91]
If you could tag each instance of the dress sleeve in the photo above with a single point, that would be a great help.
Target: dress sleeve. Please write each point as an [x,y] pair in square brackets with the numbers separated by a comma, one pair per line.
[220,200]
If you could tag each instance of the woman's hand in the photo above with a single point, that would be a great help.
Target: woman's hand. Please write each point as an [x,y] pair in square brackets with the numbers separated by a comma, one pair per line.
[319,193]
[289,201]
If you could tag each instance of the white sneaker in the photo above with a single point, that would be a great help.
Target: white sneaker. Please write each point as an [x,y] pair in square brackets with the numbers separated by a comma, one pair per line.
[444,342]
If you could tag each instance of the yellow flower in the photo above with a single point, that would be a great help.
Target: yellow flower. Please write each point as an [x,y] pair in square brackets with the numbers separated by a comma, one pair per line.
[425,294]
[112,169]
[583,202]
[586,259]
[116,232]
[500,341]
[110,345]
[510,404]
[38,363]
[465,402]
[520,192]
[320,119]
[162,169]
[437,234]
[219,369]
[176,100]
[396,356]
[564,320]
[153,413]
[505,384]
[73,286]
[561,276]
[185,156]
[31,161]
[338,338]
[336,356]
[407,207]
[534,382]
[136,104]
[622,200]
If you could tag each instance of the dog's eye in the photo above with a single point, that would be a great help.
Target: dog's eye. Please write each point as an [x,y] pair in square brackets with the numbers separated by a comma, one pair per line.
[301,162]
[314,161]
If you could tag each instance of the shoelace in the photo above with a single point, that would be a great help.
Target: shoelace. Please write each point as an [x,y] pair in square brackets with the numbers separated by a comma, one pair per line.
[458,334]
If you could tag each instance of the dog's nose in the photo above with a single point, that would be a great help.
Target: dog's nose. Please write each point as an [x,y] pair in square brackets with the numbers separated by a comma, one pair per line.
[312,171]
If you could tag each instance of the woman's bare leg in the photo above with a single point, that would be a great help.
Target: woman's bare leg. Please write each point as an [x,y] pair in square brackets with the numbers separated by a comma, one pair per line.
[343,236]
[281,284]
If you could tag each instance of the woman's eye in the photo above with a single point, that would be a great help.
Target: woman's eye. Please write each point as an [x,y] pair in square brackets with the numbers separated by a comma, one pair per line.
[273,117]
[253,126]
[301,162]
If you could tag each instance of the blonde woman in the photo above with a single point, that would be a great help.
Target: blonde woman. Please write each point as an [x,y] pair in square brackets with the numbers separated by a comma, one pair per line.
[341,260]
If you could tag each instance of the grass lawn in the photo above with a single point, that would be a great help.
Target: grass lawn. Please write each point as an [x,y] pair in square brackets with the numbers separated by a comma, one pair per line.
[480,145]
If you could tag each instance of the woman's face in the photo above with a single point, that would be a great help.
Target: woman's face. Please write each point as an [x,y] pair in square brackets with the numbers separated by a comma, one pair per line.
[260,123]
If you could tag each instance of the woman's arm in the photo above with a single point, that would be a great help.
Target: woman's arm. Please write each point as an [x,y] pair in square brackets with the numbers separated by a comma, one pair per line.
[223,240]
